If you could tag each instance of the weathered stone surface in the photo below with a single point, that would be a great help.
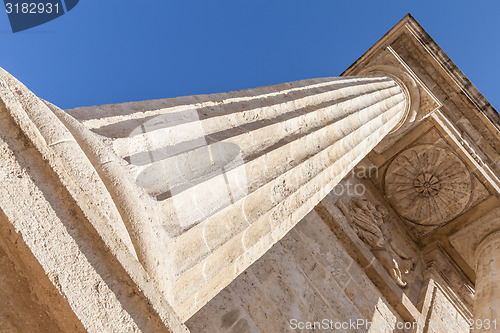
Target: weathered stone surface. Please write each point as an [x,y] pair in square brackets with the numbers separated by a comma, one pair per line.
[24,306]
[228,177]
[468,239]
[54,228]
[308,277]
[433,143]
[428,185]
[487,304]
[132,217]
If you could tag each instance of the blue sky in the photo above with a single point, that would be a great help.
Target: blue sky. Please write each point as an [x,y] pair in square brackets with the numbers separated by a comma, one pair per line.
[111,51]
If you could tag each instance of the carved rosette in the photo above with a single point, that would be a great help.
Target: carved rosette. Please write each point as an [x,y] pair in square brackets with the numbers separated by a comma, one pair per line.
[428,185]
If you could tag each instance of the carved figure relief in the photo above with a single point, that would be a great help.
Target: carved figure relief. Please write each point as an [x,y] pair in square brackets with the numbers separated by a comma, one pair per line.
[367,221]
[428,185]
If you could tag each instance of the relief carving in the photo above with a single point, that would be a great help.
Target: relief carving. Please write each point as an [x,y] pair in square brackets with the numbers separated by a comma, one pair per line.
[428,185]
[368,221]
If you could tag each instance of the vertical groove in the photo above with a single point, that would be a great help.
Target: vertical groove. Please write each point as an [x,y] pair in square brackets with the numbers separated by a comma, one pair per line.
[299,174]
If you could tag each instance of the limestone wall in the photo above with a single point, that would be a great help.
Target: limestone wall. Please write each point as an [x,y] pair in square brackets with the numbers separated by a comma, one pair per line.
[444,317]
[321,275]
[307,276]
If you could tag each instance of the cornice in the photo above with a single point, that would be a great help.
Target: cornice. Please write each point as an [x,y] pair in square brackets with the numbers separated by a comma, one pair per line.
[408,23]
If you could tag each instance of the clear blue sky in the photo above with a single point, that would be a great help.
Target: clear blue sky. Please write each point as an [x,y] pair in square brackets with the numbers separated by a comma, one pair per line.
[110,51]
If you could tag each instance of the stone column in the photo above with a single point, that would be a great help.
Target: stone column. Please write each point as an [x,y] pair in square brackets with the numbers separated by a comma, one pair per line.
[197,189]
[63,231]
[292,151]
[487,298]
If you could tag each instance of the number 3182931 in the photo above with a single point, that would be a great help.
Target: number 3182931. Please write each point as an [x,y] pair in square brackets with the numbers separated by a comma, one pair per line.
[32,8]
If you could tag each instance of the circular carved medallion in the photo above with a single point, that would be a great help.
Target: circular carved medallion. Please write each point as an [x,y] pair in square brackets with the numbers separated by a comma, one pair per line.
[428,185]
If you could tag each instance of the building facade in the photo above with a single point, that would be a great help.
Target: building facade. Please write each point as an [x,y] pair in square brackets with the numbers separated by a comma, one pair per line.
[367,202]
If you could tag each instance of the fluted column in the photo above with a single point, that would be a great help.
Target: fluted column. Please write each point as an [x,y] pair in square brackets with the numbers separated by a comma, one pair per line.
[487,298]
[64,232]
[290,152]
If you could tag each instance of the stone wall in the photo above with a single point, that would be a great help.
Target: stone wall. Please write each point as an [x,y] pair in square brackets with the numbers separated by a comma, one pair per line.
[21,309]
[323,274]
[444,316]
[307,276]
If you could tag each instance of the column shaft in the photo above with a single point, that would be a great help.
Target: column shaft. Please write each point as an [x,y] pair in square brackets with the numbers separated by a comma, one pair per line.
[289,156]
[487,298]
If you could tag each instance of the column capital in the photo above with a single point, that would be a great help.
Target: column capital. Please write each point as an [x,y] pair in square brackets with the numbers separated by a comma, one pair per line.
[421,101]
[408,86]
